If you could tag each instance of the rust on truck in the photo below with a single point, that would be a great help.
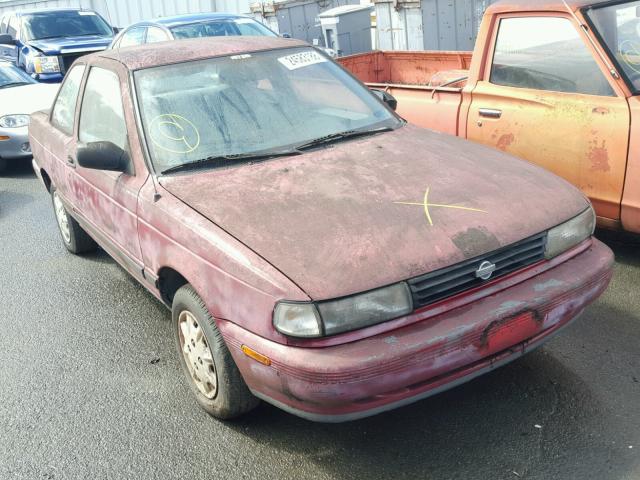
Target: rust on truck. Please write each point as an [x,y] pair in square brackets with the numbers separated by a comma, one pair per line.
[356,265]
[589,136]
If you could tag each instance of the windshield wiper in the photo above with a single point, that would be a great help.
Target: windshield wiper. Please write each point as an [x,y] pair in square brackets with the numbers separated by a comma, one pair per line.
[226,160]
[336,137]
[14,84]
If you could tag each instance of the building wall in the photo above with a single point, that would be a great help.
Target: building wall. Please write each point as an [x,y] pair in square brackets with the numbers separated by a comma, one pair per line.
[123,12]
[429,24]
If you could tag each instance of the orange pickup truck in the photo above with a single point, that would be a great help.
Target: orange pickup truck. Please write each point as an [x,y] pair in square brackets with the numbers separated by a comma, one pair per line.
[554,82]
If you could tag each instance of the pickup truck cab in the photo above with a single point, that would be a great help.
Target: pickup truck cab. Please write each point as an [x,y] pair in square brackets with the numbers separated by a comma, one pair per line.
[315,250]
[46,42]
[554,83]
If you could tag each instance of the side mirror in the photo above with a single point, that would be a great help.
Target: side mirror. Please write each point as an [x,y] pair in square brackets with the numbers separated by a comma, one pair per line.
[7,39]
[116,30]
[286,35]
[103,156]
[387,98]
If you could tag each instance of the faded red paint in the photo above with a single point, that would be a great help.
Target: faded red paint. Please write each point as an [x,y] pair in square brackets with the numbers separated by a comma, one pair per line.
[588,140]
[505,141]
[333,222]
[599,156]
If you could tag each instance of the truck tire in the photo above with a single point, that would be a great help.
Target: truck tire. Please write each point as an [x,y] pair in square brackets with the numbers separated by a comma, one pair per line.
[206,361]
[75,239]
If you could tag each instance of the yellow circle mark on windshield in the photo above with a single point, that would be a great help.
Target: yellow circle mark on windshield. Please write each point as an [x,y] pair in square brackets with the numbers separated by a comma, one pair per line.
[174,133]
[631,54]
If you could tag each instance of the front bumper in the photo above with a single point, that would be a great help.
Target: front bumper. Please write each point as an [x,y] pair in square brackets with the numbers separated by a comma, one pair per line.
[379,373]
[48,77]
[17,146]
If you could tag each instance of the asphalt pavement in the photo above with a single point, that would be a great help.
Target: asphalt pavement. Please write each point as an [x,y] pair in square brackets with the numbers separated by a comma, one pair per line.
[91,388]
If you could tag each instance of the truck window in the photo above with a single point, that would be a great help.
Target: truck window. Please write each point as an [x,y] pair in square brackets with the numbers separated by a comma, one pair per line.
[102,115]
[12,27]
[3,25]
[64,109]
[618,26]
[546,53]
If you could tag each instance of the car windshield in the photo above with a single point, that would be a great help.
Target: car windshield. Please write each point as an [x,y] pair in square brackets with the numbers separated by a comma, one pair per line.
[221,28]
[11,76]
[619,27]
[275,100]
[39,26]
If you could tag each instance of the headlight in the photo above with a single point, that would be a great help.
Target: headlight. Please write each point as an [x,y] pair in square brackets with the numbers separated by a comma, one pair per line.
[343,315]
[571,233]
[14,121]
[46,64]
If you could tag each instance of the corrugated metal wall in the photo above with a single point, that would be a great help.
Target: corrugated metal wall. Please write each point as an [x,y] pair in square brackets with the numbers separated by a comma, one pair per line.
[429,24]
[300,19]
[123,12]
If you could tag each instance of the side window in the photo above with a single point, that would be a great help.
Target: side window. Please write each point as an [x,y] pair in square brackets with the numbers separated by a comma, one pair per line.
[102,115]
[64,109]
[132,37]
[546,53]
[12,27]
[3,25]
[155,34]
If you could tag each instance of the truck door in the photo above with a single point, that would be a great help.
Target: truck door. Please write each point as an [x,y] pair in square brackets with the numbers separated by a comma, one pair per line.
[545,97]
[105,201]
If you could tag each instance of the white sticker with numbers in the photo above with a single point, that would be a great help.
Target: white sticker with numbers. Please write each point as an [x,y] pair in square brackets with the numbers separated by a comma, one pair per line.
[302,59]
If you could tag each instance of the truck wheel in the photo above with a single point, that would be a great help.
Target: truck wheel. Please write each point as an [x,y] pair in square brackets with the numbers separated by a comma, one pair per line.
[206,361]
[73,236]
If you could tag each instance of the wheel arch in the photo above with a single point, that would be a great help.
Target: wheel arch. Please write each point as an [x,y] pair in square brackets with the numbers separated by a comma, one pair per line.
[46,179]
[169,281]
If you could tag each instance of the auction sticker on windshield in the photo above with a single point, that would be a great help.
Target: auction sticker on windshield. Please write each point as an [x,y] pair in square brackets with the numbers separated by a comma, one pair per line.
[302,59]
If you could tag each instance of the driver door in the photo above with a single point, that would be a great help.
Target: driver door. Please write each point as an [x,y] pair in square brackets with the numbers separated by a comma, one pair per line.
[545,98]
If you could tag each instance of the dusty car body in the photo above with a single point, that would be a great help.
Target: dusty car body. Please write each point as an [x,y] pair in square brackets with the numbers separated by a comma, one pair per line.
[554,83]
[352,274]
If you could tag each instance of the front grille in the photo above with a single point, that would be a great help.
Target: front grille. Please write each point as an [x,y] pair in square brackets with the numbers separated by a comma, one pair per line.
[67,61]
[449,281]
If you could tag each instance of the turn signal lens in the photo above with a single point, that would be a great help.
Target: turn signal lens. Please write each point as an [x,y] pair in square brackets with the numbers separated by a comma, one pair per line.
[258,357]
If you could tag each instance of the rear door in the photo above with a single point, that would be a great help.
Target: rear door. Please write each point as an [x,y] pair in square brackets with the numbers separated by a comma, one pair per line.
[105,201]
[545,98]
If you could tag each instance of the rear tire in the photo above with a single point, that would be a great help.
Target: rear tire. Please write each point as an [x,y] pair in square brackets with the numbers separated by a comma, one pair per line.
[75,239]
[206,361]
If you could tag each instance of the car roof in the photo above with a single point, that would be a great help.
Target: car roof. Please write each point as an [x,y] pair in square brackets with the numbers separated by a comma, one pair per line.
[194,18]
[49,10]
[164,53]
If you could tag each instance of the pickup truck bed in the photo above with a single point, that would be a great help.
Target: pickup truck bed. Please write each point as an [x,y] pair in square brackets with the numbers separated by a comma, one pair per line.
[412,78]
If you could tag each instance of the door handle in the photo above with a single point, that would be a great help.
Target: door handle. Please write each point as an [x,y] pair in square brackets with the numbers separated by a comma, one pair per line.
[71,161]
[490,113]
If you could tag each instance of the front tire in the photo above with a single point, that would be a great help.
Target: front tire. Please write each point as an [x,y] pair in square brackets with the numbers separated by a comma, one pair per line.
[206,361]
[75,239]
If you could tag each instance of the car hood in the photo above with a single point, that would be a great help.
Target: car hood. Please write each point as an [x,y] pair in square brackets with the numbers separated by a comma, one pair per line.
[351,217]
[27,99]
[62,45]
